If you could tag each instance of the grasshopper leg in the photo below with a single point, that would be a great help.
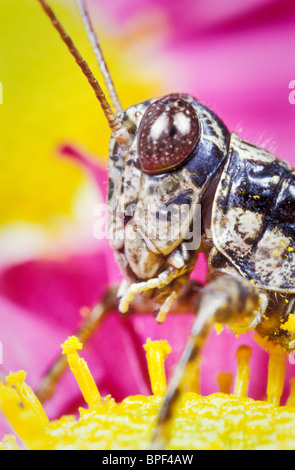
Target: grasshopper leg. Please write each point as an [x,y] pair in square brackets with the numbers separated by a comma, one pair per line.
[228,300]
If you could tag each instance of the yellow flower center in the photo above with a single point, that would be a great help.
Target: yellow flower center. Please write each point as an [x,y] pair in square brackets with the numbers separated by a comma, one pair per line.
[219,421]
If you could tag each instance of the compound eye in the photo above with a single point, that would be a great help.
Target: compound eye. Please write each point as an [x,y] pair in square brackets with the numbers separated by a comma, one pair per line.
[168,132]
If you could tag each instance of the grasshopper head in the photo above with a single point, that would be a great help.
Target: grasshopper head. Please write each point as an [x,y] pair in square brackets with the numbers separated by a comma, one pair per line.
[156,184]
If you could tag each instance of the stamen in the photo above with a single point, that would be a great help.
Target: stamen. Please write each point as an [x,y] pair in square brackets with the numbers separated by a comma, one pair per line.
[81,371]
[9,405]
[156,353]
[224,380]
[29,421]
[276,376]
[28,397]
[243,372]
[291,399]
[276,369]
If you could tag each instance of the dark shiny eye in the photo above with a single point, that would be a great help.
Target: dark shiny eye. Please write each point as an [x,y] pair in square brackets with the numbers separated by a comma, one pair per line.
[167,134]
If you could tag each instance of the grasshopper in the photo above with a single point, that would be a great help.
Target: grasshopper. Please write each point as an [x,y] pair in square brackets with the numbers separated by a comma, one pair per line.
[173,152]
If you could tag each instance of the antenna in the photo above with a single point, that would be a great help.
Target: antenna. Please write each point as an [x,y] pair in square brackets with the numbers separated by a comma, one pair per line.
[95,44]
[119,132]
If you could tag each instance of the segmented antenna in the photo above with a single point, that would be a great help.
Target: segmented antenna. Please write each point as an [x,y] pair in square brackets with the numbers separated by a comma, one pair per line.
[95,44]
[119,132]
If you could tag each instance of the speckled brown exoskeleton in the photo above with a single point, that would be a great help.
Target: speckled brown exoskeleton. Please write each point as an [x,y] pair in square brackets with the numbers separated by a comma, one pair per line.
[174,152]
